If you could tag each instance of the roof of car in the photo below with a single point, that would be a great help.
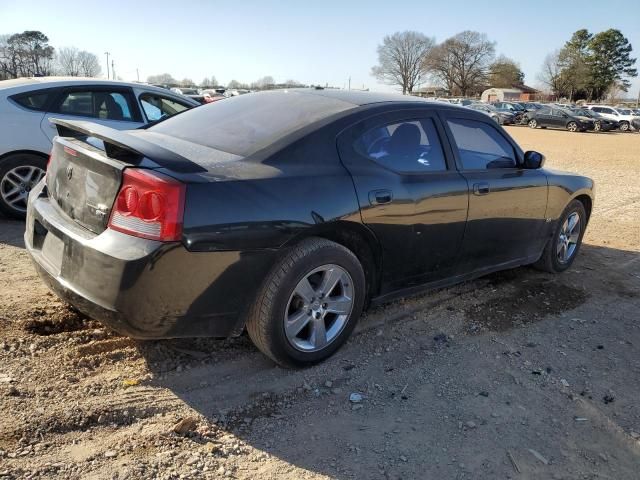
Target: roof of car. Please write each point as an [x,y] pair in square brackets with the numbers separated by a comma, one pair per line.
[357,97]
[58,81]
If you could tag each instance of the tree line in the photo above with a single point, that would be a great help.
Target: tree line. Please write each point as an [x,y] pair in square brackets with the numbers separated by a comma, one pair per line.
[265,83]
[588,66]
[29,54]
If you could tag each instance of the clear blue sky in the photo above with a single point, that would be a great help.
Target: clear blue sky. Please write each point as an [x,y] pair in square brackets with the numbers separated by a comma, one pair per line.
[313,42]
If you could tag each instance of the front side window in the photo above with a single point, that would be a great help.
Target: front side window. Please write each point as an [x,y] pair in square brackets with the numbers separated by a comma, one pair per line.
[157,107]
[96,104]
[481,146]
[411,146]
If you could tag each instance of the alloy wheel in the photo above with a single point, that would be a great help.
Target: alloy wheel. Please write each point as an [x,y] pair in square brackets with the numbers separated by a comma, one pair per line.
[16,185]
[572,127]
[568,238]
[319,308]
[533,123]
[597,127]
[624,126]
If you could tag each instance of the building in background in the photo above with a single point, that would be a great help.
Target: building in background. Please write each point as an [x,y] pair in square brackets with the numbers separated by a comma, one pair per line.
[519,93]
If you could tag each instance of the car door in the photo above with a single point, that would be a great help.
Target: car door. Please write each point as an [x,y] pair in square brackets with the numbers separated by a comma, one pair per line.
[507,203]
[543,116]
[156,106]
[113,107]
[410,194]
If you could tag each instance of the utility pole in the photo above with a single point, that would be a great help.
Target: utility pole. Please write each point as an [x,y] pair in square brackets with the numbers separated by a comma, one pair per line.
[138,74]
[638,99]
[113,69]
[107,54]
[349,83]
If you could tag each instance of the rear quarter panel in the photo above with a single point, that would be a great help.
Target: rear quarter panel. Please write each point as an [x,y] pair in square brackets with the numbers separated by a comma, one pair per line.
[286,195]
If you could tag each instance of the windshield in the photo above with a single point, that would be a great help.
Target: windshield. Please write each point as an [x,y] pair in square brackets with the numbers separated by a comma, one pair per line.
[244,124]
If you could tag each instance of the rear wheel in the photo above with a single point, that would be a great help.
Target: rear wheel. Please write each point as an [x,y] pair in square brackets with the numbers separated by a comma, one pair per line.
[309,304]
[562,248]
[533,123]
[19,173]
[572,126]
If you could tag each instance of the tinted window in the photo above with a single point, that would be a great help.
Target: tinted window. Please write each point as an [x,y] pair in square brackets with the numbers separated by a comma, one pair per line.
[32,101]
[156,106]
[244,124]
[411,146]
[97,104]
[481,146]
[544,111]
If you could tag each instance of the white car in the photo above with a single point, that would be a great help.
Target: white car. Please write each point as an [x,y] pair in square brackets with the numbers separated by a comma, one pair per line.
[624,116]
[27,104]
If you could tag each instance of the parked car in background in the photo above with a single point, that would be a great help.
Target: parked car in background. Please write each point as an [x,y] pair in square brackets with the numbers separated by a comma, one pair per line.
[553,117]
[519,113]
[621,115]
[339,200]
[635,123]
[27,104]
[600,123]
[213,95]
[192,93]
[500,117]
[530,106]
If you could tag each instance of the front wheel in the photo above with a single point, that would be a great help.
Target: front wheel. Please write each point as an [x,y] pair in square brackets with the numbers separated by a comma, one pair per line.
[309,303]
[563,246]
[624,126]
[572,126]
[533,123]
[597,127]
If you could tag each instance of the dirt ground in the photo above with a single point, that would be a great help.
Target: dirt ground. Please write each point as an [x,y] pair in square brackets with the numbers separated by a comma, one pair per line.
[520,375]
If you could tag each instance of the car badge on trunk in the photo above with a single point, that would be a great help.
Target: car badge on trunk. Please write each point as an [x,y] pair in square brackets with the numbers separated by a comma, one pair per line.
[69,172]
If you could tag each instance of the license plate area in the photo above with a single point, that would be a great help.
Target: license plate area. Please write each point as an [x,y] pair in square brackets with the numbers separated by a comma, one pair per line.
[52,251]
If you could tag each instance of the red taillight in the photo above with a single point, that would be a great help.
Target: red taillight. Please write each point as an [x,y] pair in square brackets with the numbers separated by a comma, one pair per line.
[149,205]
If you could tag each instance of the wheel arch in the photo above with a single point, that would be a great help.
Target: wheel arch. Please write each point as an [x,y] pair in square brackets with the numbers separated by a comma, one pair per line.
[6,155]
[358,239]
[587,203]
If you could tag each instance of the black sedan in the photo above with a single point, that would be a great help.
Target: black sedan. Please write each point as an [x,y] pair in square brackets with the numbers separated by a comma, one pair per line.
[287,212]
[600,123]
[560,118]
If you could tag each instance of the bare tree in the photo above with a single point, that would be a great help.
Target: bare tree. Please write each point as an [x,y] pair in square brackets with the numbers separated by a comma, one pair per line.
[67,61]
[401,59]
[209,82]
[462,62]
[551,74]
[264,83]
[89,64]
[162,79]
[187,82]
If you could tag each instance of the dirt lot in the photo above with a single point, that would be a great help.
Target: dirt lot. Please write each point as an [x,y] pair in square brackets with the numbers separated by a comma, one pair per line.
[518,375]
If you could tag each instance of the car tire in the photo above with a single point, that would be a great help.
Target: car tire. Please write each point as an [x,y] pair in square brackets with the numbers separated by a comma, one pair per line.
[552,259]
[624,126]
[572,126]
[597,127]
[533,123]
[285,304]
[21,171]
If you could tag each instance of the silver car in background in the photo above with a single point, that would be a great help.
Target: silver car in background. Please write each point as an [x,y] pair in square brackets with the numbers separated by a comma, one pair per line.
[27,104]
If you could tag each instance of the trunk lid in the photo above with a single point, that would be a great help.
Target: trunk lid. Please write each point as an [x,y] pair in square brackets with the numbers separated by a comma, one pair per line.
[83,182]
[85,168]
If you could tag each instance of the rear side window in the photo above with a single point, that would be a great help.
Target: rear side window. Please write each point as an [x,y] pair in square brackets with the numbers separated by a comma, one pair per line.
[408,147]
[97,104]
[480,145]
[244,124]
[33,101]
[157,107]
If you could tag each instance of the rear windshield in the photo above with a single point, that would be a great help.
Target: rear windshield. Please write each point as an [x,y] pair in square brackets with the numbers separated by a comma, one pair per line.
[244,124]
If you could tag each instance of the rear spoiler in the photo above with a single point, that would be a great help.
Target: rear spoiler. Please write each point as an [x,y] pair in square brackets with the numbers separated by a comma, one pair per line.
[121,145]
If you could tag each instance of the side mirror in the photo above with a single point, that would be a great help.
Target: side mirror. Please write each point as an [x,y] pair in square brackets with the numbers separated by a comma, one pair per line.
[533,160]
